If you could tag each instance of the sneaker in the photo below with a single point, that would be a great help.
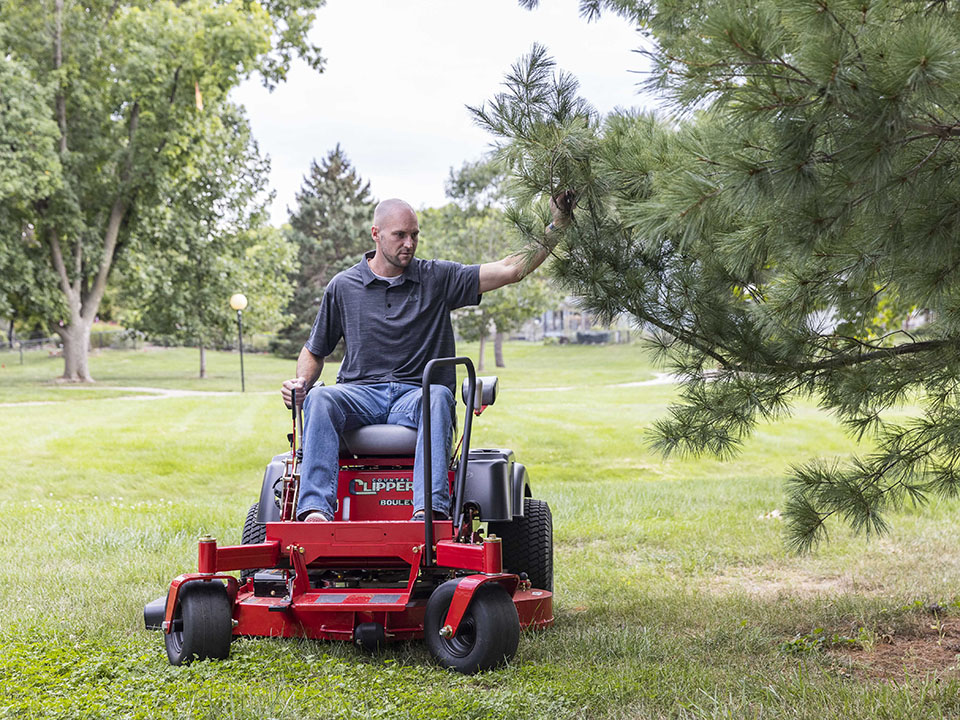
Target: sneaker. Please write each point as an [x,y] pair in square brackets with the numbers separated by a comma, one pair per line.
[315,516]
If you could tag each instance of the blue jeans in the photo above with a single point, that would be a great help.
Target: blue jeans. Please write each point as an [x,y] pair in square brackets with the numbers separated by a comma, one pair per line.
[328,412]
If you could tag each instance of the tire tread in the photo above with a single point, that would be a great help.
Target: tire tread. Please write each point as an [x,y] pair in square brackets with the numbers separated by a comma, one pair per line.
[253,533]
[527,543]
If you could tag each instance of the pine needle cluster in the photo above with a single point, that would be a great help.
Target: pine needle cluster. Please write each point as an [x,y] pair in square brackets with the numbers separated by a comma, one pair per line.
[777,231]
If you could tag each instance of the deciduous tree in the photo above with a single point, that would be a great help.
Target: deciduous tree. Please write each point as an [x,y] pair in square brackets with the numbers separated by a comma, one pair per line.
[29,171]
[215,244]
[130,86]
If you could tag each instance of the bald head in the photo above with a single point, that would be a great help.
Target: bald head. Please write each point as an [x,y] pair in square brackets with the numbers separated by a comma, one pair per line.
[388,208]
[395,231]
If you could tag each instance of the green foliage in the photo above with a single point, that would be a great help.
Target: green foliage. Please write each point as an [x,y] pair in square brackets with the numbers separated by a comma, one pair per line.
[818,639]
[28,285]
[210,242]
[123,84]
[28,135]
[476,185]
[29,170]
[776,233]
[331,229]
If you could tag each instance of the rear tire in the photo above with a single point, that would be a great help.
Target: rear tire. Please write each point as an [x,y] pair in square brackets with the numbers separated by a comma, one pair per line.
[253,533]
[527,543]
[488,634]
[203,623]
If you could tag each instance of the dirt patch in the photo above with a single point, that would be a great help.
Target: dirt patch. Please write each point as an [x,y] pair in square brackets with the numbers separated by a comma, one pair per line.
[774,581]
[930,649]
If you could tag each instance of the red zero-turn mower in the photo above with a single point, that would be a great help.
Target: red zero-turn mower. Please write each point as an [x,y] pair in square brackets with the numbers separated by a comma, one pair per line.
[372,575]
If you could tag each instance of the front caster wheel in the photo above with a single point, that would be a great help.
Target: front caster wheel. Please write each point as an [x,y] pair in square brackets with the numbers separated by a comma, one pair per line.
[488,634]
[202,623]
[370,637]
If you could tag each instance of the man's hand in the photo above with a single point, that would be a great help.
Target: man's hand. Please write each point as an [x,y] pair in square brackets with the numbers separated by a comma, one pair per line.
[561,208]
[515,267]
[300,385]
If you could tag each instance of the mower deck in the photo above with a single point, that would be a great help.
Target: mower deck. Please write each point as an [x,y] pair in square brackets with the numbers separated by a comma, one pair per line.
[333,610]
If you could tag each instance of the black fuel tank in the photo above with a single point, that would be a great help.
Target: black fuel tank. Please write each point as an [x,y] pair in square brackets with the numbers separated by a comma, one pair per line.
[488,486]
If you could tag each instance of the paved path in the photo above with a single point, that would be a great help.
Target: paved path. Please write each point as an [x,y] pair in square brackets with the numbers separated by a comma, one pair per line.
[144,393]
[155,393]
[660,379]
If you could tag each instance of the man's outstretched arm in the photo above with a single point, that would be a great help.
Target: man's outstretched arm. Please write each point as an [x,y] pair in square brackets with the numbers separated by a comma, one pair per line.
[517,266]
[308,370]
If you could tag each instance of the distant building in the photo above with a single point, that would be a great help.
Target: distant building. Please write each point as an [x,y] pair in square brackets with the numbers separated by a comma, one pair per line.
[567,322]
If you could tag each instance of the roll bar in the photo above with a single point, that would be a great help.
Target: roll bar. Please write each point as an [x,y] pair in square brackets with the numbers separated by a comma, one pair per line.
[461,478]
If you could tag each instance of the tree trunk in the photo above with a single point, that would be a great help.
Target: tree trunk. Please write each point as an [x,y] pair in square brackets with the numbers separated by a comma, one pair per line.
[203,361]
[83,302]
[83,306]
[76,341]
[483,345]
[75,335]
[498,349]
[10,332]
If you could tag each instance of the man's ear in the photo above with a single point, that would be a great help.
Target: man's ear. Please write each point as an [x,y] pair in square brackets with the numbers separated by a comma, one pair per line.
[375,233]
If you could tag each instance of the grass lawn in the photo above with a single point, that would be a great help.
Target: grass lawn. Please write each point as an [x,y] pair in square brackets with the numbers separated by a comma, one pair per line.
[675,597]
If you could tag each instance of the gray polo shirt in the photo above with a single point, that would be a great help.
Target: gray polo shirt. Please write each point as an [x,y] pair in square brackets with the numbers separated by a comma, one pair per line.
[391,332]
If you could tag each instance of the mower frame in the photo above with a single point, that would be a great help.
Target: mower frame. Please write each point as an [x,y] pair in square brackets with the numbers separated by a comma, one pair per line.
[369,613]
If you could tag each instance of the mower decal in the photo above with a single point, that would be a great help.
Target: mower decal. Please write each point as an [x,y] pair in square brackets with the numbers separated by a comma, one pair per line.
[373,486]
[395,502]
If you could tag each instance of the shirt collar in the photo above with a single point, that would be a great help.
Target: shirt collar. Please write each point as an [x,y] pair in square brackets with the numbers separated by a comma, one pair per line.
[410,274]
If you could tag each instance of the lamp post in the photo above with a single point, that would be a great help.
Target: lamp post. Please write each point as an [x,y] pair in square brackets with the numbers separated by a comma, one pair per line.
[238,301]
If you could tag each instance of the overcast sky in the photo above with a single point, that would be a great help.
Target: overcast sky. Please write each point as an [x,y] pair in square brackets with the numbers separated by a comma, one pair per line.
[399,74]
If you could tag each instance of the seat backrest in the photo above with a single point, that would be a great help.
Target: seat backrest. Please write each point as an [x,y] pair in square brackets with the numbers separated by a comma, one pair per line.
[382,440]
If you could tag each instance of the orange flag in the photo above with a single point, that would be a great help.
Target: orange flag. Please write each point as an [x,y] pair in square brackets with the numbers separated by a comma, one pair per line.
[198,94]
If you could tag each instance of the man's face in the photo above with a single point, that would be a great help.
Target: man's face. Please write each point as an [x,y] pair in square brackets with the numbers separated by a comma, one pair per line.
[397,236]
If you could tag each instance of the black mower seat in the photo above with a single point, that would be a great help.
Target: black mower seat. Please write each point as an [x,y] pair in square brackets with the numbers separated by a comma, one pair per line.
[400,441]
[392,440]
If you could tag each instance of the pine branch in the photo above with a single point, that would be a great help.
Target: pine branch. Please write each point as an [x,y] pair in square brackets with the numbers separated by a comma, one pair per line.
[882,354]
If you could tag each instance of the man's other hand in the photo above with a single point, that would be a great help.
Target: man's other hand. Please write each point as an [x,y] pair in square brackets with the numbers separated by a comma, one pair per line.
[299,384]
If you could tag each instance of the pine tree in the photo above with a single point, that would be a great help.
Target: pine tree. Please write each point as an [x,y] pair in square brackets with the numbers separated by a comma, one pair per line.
[774,232]
[331,229]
